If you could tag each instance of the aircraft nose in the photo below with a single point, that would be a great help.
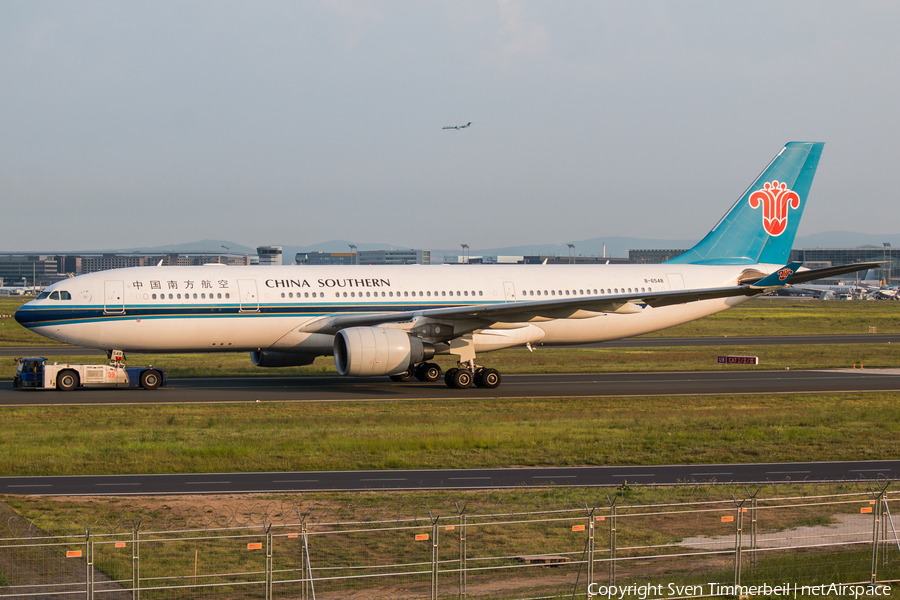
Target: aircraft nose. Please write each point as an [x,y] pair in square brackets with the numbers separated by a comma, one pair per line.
[24,316]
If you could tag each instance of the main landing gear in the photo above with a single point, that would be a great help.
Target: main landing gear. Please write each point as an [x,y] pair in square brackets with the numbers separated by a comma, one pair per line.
[428,372]
[461,377]
[465,375]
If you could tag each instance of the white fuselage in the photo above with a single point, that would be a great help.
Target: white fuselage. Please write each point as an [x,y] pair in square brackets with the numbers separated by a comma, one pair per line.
[219,308]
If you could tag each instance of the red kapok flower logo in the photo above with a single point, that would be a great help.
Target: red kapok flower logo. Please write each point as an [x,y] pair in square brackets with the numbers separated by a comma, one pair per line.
[785,273]
[774,199]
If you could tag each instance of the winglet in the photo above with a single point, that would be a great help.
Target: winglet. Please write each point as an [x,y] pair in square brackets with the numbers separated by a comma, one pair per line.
[779,278]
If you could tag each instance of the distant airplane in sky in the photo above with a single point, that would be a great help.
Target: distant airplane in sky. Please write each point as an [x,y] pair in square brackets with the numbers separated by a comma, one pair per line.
[457,127]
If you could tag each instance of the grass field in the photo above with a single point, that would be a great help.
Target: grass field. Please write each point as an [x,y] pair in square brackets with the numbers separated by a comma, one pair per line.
[445,434]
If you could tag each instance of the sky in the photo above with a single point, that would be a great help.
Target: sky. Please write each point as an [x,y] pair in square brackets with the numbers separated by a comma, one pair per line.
[139,124]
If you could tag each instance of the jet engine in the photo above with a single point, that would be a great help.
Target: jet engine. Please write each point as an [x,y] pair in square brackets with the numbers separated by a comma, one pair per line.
[367,351]
[267,358]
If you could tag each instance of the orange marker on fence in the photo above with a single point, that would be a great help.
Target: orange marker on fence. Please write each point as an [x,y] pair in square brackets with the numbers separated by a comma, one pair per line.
[421,537]
[577,527]
[73,554]
[256,546]
[727,519]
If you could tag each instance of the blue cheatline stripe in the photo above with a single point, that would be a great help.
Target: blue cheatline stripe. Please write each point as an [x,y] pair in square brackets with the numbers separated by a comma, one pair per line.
[44,317]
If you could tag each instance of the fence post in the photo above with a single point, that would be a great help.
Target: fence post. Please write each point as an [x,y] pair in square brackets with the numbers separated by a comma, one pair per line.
[876,534]
[305,564]
[738,541]
[612,543]
[462,556]
[268,590]
[135,562]
[434,558]
[88,564]
[753,522]
[590,554]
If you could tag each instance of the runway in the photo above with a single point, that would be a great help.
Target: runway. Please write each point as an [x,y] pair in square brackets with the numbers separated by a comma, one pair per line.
[551,385]
[636,342]
[447,479]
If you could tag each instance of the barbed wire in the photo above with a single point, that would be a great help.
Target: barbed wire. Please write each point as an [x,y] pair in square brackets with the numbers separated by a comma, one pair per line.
[36,518]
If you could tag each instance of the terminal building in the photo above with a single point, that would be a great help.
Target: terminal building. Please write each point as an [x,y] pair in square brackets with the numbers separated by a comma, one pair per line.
[365,257]
[269,255]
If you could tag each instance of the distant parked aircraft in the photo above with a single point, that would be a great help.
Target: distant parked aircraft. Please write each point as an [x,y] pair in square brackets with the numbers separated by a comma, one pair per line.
[458,126]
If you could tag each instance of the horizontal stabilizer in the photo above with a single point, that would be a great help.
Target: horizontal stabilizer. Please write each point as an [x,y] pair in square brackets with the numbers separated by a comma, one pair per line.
[813,274]
[780,277]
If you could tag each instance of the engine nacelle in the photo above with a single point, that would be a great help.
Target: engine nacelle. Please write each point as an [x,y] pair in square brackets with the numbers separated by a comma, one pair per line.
[267,358]
[368,351]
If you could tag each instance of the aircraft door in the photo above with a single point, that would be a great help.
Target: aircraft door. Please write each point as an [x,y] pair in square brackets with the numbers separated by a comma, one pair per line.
[249,295]
[510,290]
[113,297]
[676,282]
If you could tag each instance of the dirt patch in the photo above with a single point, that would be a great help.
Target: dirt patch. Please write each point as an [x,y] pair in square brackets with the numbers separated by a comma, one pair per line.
[845,530]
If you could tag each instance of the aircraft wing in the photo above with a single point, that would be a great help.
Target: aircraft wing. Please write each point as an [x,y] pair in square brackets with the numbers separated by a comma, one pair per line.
[579,307]
[535,310]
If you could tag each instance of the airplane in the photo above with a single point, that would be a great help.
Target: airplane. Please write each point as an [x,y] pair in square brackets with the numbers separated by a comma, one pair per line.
[457,127]
[867,286]
[18,290]
[392,320]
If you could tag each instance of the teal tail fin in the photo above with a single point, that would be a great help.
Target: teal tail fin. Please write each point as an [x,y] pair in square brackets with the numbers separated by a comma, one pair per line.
[761,226]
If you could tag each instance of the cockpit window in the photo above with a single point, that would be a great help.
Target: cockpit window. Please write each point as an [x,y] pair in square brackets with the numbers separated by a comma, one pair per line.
[54,296]
[64,295]
[43,296]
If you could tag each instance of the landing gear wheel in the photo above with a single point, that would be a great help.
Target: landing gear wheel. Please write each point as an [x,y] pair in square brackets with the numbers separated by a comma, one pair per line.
[407,375]
[448,377]
[428,372]
[462,379]
[490,378]
[67,381]
[150,379]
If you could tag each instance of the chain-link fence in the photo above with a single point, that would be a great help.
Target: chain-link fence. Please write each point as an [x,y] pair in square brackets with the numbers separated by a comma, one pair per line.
[690,548]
